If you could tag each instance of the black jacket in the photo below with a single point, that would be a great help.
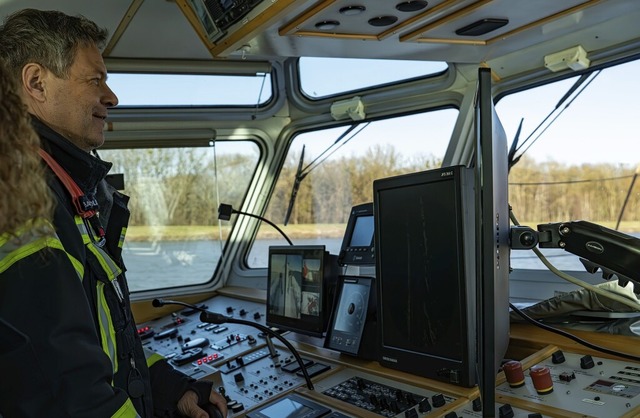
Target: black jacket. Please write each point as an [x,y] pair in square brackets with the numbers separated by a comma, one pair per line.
[63,318]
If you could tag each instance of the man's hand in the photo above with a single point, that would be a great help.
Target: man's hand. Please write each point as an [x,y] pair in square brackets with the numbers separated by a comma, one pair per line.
[188,405]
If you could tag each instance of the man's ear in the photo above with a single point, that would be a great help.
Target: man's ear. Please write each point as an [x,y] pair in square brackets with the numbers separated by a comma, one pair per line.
[34,82]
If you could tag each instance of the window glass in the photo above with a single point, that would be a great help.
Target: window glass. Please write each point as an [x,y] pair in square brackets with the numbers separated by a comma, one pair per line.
[339,175]
[581,163]
[190,89]
[173,237]
[321,77]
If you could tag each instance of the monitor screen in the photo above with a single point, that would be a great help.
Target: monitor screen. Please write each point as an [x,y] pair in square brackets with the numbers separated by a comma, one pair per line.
[425,273]
[297,288]
[358,243]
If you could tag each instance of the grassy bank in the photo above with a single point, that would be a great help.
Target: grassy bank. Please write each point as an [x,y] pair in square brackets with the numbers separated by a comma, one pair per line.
[192,233]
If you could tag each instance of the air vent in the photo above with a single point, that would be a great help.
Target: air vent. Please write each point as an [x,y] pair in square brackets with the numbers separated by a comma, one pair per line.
[482,26]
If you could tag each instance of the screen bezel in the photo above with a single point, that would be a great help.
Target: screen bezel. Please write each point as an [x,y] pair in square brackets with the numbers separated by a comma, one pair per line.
[308,324]
[343,281]
[316,410]
[360,254]
[459,371]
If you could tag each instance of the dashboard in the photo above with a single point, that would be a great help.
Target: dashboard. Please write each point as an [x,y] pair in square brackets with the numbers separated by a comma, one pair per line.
[260,377]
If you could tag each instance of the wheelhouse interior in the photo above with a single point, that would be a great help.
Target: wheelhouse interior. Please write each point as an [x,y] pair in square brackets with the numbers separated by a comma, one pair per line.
[289,110]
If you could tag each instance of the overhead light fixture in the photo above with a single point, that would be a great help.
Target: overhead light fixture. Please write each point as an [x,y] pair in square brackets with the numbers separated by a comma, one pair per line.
[574,58]
[327,25]
[482,26]
[352,10]
[411,5]
[383,21]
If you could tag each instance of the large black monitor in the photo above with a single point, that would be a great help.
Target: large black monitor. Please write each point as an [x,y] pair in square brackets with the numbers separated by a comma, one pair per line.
[299,288]
[425,272]
[442,263]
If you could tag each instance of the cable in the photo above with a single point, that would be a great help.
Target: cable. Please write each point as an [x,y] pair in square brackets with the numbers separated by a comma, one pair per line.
[573,337]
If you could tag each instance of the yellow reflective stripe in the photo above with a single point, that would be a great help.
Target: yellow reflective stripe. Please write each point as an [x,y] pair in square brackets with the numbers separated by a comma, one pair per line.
[127,410]
[153,359]
[107,331]
[83,229]
[77,265]
[122,235]
[13,253]
[107,264]
[28,231]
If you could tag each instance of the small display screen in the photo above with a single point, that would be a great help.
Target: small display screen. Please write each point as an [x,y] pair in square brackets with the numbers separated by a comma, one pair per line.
[295,288]
[352,307]
[286,408]
[346,332]
[362,232]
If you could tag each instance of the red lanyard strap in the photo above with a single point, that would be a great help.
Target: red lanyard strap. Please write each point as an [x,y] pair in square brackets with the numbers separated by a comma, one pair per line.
[84,206]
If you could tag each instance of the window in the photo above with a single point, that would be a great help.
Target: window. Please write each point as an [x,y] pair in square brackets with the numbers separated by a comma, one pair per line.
[582,161]
[173,237]
[338,177]
[322,77]
[190,89]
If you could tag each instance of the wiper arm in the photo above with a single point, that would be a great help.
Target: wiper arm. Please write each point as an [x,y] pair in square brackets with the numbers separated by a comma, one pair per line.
[301,173]
[296,185]
[588,78]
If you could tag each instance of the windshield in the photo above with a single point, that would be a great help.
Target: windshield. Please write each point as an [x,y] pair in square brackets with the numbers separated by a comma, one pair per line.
[581,162]
[339,166]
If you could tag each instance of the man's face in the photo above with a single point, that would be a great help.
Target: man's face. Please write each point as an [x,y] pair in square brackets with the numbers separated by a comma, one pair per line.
[76,106]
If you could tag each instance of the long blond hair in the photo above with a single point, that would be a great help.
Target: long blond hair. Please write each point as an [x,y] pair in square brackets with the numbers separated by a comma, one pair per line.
[24,194]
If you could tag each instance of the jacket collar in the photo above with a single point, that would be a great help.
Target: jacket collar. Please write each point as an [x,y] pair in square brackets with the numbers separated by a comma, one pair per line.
[85,169]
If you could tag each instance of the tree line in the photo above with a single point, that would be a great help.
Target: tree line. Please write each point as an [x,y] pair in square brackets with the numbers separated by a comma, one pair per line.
[186,192]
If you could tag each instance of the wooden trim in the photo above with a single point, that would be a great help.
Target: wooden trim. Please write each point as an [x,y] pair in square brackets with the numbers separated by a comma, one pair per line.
[337,35]
[435,9]
[303,17]
[122,26]
[244,293]
[235,39]
[534,338]
[143,311]
[544,20]
[415,34]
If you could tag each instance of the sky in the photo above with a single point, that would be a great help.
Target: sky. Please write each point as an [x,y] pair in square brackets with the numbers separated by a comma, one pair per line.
[600,126]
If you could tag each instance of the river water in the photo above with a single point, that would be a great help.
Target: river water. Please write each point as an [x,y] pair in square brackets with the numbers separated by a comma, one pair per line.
[178,263]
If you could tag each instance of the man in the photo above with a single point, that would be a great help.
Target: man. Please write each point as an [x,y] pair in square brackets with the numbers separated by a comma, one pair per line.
[91,361]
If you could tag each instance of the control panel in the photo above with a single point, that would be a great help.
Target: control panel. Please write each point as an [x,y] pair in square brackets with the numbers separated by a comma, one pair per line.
[260,379]
[569,384]
[235,357]
[382,396]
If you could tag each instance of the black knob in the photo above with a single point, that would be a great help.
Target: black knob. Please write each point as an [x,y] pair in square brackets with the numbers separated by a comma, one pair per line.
[586,362]
[477,405]
[424,405]
[438,400]
[505,411]
[557,357]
